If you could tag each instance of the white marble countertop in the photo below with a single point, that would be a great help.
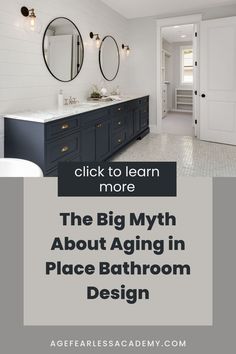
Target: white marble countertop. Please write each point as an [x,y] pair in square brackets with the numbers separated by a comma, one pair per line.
[46,116]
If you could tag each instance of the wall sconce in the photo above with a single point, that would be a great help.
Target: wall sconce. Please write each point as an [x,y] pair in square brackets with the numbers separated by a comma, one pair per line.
[97,38]
[31,17]
[127,48]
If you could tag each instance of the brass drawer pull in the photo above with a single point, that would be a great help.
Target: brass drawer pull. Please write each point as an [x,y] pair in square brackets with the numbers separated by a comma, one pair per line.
[65,126]
[65,149]
[99,126]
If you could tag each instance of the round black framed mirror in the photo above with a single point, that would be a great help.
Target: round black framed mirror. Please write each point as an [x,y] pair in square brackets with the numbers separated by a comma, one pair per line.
[109,58]
[63,49]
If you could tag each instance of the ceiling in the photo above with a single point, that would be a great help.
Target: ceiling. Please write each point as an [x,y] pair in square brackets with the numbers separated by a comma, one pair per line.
[174,34]
[142,8]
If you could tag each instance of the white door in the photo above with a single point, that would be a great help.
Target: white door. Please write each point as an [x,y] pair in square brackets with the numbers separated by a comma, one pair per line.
[60,56]
[218,80]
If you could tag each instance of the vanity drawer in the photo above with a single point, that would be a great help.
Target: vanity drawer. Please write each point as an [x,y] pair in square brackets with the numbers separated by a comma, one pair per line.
[118,139]
[118,123]
[62,149]
[118,108]
[61,127]
[94,117]
[54,173]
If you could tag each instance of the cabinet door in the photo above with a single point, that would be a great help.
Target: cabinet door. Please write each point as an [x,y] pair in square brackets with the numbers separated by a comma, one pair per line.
[88,152]
[129,125]
[137,121]
[102,140]
[62,150]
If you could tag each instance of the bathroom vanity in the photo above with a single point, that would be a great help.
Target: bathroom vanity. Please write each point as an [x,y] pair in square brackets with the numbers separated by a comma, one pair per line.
[89,132]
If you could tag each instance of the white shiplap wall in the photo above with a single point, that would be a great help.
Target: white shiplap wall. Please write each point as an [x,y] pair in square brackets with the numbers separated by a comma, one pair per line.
[25,82]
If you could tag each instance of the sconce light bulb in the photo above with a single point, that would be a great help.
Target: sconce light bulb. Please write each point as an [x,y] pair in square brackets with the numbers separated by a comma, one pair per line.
[126,48]
[32,22]
[98,42]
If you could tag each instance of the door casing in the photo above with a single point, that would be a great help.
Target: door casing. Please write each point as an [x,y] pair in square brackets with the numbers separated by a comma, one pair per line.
[166,22]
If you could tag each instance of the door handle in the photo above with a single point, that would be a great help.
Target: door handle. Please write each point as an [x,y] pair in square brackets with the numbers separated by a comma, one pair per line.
[203,95]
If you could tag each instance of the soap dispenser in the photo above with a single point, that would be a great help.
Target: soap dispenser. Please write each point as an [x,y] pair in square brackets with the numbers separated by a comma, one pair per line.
[60,100]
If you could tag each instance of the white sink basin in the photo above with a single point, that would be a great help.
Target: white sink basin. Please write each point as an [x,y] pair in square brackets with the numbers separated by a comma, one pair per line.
[19,168]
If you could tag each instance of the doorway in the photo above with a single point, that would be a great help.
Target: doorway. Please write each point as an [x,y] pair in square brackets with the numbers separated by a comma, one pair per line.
[178,78]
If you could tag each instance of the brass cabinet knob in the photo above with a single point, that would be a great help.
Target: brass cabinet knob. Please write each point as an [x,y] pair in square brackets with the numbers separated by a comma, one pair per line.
[119,123]
[119,109]
[119,141]
[99,126]
[65,126]
[65,149]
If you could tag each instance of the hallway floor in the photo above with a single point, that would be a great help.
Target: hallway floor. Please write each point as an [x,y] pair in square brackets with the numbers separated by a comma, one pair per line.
[178,124]
[194,157]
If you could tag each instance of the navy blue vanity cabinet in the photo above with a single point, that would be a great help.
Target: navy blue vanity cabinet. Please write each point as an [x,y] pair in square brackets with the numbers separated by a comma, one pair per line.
[66,148]
[44,144]
[137,121]
[88,144]
[92,136]
[103,149]
[95,135]
[62,127]
[144,118]
[118,126]
[129,125]
[25,140]
[141,115]
[62,142]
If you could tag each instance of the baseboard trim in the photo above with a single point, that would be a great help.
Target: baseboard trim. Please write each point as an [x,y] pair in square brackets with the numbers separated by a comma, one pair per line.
[153,129]
[181,111]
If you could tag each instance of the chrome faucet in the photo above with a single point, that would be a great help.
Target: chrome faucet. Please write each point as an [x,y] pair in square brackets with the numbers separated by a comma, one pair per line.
[70,101]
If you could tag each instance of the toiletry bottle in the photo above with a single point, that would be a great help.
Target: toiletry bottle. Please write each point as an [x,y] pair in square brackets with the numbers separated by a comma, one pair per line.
[60,100]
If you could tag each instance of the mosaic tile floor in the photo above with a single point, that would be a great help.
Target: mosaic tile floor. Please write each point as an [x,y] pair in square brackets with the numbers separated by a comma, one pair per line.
[194,157]
[178,124]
